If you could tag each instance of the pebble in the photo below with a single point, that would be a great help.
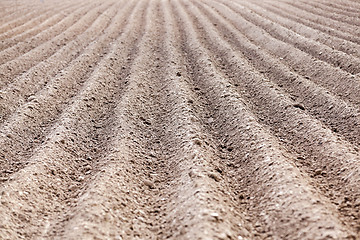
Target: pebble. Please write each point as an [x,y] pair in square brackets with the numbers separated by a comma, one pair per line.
[215,176]
[87,168]
[300,106]
[215,216]
[317,172]
[357,202]
[31,98]
[73,188]
[149,183]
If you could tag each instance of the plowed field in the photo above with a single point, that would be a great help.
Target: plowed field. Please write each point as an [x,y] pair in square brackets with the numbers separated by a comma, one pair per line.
[180,119]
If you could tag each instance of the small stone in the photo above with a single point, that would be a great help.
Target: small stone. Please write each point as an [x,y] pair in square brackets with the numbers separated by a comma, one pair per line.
[149,183]
[197,142]
[192,173]
[72,188]
[215,176]
[178,74]
[87,168]
[31,98]
[300,106]
[215,216]
[317,172]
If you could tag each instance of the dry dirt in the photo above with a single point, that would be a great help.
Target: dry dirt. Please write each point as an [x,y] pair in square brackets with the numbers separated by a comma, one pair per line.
[179,119]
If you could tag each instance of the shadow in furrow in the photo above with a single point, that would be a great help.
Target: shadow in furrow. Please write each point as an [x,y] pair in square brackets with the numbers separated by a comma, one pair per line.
[68,158]
[331,110]
[12,69]
[262,166]
[320,149]
[348,63]
[35,30]
[26,129]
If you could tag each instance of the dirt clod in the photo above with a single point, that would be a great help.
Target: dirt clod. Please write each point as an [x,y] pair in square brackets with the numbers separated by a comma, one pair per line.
[149,183]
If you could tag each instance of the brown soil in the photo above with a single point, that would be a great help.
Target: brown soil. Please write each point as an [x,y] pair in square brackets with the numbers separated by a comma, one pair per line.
[179,119]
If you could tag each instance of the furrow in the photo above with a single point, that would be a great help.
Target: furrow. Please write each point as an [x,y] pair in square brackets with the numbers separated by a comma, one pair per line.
[22,48]
[318,21]
[262,169]
[67,159]
[141,119]
[179,119]
[115,209]
[9,9]
[317,147]
[24,19]
[19,20]
[15,9]
[15,94]
[37,19]
[340,83]
[287,14]
[192,159]
[331,18]
[16,46]
[43,108]
[11,69]
[338,115]
[33,22]
[346,6]
[353,17]
[321,46]
[28,34]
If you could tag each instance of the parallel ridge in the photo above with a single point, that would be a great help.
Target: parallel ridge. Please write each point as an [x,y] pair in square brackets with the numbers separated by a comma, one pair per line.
[328,13]
[295,15]
[27,12]
[34,29]
[38,20]
[43,51]
[180,119]
[44,106]
[268,104]
[321,19]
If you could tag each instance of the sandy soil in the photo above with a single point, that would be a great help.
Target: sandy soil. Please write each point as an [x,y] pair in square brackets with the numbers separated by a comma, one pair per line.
[179,119]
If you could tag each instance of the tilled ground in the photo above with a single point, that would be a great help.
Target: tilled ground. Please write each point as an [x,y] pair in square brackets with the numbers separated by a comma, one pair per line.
[180,119]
